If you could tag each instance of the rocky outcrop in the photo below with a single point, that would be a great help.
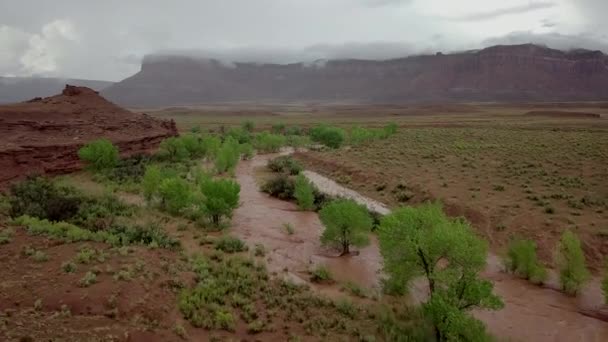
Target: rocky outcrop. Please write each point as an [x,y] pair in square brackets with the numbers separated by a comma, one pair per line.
[17,89]
[499,73]
[42,136]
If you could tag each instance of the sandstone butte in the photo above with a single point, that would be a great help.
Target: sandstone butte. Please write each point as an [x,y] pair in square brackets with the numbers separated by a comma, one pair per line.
[43,135]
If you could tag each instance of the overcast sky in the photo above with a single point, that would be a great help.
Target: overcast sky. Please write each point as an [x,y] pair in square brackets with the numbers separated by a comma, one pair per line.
[107,39]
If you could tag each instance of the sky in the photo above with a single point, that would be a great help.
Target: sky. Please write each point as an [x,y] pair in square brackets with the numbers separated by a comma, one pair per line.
[107,40]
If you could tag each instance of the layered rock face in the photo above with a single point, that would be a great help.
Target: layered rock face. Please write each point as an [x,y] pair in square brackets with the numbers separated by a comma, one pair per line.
[17,89]
[499,73]
[42,136]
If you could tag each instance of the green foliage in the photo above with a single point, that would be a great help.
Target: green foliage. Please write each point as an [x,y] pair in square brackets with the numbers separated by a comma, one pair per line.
[289,228]
[174,149]
[424,242]
[130,169]
[40,197]
[297,141]
[328,135]
[304,193]
[320,274]
[522,260]
[269,143]
[278,128]
[294,130]
[227,156]
[248,126]
[570,261]
[390,128]
[346,223]
[230,244]
[68,267]
[210,145]
[151,182]
[6,235]
[240,135]
[221,197]
[280,186]
[175,195]
[89,279]
[246,151]
[100,154]
[285,164]
[359,135]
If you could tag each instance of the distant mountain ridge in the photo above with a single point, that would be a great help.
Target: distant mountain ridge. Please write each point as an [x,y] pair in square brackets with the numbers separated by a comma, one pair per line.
[18,89]
[503,73]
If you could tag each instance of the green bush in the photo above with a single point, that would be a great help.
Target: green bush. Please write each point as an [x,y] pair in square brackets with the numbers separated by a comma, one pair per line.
[320,274]
[151,182]
[294,130]
[100,154]
[328,135]
[278,128]
[41,197]
[297,141]
[573,271]
[221,197]
[174,149]
[227,156]
[210,145]
[522,260]
[230,244]
[390,128]
[175,195]
[269,143]
[359,135]
[285,164]
[130,169]
[346,223]
[239,135]
[304,193]
[246,151]
[280,186]
[248,126]
[99,213]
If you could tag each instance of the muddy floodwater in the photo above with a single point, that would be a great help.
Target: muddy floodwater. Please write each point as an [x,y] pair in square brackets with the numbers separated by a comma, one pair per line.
[531,313]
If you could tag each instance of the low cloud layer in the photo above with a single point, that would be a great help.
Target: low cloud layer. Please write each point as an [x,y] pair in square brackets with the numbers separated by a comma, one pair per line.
[107,40]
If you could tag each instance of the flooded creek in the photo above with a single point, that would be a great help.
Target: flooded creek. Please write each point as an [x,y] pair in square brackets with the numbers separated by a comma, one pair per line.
[531,313]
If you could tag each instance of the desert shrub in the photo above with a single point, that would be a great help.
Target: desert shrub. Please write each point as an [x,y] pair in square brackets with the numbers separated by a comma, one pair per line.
[522,260]
[43,198]
[230,244]
[100,154]
[174,149]
[99,213]
[320,274]
[360,135]
[570,261]
[89,279]
[297,141]
[192,144]
[129,169]
[227,156]
[328,135]
[246,151]
[346,223]
[390,128]
[221,197]
[285,164]
[150,234]
[210,145]
[6,235]
[248,126]
[175,195]
[151,182]
[278,128]
[423,241]
[268,143]
[304,193]
[294,130]
[280,186]
[240,135]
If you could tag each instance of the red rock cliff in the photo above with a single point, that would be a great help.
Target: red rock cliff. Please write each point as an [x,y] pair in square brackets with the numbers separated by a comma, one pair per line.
[42,136]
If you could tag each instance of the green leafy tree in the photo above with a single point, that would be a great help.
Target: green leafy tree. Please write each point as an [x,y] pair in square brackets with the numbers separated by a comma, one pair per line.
[174,149]
[151,182]
[269,143]
[573,271]
[304,193]
[424,242]
[346,223]
[522,260]
[221,197]
[227,156]
[210,145]
[100,154]
[175,194]
[328,135]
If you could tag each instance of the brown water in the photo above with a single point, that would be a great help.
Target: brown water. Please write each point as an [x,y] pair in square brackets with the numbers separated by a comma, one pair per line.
[531,313]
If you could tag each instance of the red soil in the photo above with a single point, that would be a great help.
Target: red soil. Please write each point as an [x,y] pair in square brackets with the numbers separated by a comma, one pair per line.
[42,136]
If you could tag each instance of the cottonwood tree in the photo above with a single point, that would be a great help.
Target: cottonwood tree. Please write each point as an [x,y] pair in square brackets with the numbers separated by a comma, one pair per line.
[346,223]
[423,242]
[221,197]
[573,272]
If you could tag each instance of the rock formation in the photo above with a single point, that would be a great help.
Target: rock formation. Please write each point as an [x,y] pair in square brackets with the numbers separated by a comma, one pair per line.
[500,73]
[42,136]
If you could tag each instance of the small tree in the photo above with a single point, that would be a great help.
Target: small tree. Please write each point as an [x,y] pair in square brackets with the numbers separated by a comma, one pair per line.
[221,197]
[151,182]
[228,156]
[328,135]
[522,260]
[99,154]
[424,242]
[304,193]
[210,145]
[175,194]
[174,149]
[571,263]
[346,223]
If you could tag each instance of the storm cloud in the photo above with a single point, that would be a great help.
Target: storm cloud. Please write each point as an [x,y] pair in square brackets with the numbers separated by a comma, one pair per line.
[108,39]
